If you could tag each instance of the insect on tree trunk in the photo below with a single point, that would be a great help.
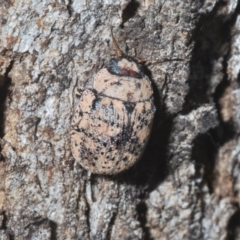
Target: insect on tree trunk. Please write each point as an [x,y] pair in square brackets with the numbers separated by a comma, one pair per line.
[186,184]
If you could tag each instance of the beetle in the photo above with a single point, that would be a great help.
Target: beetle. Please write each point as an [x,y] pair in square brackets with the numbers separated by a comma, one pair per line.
[112,122]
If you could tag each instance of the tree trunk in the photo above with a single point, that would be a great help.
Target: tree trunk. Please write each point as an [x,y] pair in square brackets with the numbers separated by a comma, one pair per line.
[186,185]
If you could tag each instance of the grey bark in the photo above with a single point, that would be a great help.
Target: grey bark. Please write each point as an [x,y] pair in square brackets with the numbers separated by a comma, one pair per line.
[186,186]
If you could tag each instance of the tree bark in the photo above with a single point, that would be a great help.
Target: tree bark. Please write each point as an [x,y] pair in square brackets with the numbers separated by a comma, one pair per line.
[186,185]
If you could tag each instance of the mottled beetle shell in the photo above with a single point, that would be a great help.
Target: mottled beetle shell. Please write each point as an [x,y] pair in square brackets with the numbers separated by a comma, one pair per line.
[113,119]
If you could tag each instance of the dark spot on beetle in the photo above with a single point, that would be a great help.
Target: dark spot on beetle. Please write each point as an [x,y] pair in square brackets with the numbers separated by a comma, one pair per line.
[107,157]
[102,153]
[117,143]
[81,114]
[116,83]
[95,158]
[105,80]
[93,164]
[125,159]
[129,107]
[104,144]
[110,149]
[129,95]
[112,123]
[113,158]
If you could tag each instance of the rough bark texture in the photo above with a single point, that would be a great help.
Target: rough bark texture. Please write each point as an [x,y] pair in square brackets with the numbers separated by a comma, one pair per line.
[186,186]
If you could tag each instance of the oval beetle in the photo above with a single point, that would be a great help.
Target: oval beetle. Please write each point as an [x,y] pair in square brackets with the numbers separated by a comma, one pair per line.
[112,122]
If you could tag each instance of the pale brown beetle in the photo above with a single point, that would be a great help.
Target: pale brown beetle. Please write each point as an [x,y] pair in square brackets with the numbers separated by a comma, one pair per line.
[112,122]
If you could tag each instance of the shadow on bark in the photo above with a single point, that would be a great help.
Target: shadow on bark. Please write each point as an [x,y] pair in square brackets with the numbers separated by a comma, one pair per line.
[142,213]
[129,11]
[4,93]
[234,226]
[53,227]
